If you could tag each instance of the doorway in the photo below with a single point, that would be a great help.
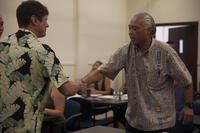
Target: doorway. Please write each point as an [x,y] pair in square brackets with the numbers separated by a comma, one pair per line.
[184,37]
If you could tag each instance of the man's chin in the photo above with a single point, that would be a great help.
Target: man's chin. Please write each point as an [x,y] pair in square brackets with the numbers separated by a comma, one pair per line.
[132,41]
[42,36]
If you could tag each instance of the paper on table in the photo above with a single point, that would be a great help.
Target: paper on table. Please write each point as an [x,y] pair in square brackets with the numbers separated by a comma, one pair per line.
[124,97]
[95,95]
[106,96]
[76,95]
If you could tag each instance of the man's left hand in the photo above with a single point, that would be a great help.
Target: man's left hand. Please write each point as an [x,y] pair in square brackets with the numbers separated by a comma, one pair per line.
[186,115]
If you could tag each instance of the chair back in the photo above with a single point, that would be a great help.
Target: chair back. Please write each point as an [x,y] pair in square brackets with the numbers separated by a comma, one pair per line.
[86,107]
[71,107]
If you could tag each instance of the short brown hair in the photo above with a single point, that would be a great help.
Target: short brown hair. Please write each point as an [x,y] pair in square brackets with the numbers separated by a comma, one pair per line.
[28,8]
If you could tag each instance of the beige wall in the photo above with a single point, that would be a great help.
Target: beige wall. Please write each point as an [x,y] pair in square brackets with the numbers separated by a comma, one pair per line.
[61,34]
[102,30]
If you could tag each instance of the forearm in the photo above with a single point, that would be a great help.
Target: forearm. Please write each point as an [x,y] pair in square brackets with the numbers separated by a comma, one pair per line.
[106,92]
[69,88]
[53,112]
[92,77]
[188,94]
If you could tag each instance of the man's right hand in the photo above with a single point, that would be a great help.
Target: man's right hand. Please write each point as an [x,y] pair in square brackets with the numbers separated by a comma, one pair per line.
[81,84]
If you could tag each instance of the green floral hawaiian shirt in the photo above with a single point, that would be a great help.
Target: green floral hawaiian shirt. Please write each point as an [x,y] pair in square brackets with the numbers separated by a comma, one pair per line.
[26,68]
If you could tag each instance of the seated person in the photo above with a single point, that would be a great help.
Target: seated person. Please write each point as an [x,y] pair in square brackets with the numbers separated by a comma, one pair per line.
[55,111]
[102,86]
[99,87]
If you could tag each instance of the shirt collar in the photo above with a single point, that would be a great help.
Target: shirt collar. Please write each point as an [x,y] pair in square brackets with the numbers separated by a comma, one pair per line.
[26,30]
[137,50]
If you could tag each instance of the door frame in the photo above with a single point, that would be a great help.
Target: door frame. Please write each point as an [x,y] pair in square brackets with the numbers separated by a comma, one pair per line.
[195,25]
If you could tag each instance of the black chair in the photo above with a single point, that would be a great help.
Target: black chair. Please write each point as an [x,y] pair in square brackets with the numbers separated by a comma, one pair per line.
[89,111]
[69,122]
[49,126]
[72,114]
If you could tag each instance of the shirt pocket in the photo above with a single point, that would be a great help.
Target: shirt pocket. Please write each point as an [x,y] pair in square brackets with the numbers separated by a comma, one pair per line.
[153,78]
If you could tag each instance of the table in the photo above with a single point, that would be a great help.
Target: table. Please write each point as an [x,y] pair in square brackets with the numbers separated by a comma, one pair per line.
[107,99]
[115,105]
[101,129]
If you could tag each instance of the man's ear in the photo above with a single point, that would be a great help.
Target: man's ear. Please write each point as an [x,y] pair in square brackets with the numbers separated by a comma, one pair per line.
[150,30]
[33,20]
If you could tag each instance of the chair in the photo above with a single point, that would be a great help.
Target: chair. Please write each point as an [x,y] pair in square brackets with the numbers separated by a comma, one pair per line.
[50,126]
[102,108]
[68,123]
[89,111]
[72,114]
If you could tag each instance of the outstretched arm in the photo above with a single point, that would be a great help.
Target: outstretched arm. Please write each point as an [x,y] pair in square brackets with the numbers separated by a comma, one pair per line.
[92,77]
[70,88]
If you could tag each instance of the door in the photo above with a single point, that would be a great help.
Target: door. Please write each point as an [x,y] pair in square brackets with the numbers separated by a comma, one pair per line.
[185,42]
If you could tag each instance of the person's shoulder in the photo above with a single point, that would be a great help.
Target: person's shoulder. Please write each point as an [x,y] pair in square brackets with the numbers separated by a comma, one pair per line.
[161,45]
[5,43]
[164,47]
[47,47]
[125,45]
[124,48]
[8,39]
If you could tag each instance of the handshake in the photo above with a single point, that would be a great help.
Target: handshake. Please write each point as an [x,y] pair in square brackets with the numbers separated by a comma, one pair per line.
[81,85]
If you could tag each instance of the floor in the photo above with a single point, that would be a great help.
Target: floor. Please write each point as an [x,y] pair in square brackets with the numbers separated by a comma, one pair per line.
[109,114]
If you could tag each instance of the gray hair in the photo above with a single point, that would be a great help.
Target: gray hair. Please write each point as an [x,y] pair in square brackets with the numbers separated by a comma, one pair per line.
[148,21]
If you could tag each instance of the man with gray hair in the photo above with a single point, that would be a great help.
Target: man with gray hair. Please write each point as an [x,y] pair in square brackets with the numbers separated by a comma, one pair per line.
[150,69]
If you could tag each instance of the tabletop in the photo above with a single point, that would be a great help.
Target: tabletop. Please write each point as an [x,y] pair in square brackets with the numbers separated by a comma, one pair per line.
[107,99]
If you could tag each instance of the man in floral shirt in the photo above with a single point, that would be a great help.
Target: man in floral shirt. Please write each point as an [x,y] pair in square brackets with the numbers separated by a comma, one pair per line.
[27,66]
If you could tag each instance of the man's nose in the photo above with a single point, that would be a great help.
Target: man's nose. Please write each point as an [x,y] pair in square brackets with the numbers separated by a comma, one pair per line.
[131,32]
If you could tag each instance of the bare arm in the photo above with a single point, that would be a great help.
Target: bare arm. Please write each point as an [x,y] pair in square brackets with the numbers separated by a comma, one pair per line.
[59,104]
[107,87]
[188,94]
[70,88]
[92,77]
[107,83]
